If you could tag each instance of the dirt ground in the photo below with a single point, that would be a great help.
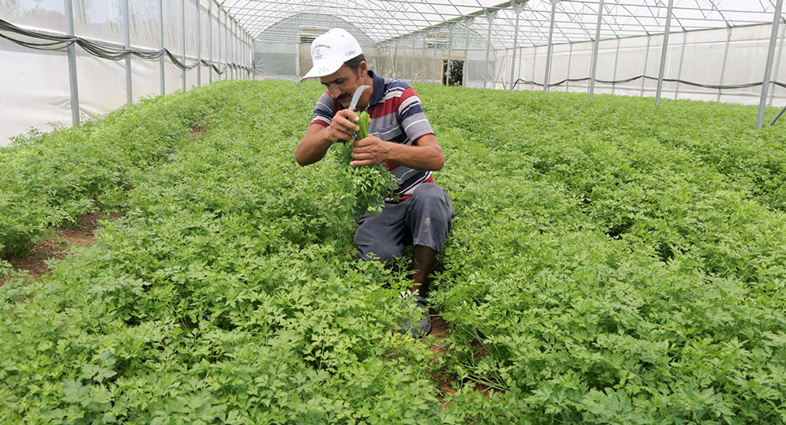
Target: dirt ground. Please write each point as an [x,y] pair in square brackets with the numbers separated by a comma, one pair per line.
[59,245]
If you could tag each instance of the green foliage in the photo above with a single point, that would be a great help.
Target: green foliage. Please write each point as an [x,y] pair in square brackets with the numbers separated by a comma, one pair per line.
[611,277]
[365,188]
[228,293]
[50,179]
[609,263]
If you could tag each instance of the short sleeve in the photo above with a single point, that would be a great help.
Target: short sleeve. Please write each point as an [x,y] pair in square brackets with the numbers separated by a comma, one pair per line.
[413,119]
[324,111]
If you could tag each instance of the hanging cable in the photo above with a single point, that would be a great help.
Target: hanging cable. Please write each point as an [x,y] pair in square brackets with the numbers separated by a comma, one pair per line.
[669,80]
[104,50]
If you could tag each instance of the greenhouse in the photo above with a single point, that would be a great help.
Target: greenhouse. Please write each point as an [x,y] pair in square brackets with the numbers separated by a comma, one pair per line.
[528,212]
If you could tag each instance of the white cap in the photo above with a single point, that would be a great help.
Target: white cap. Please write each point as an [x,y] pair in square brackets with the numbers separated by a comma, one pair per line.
[330,50]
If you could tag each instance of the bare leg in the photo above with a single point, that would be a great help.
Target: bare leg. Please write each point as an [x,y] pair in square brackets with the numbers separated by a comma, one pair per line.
[424,264]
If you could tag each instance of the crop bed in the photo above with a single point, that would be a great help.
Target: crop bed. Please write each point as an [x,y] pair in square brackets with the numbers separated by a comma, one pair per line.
[609,262]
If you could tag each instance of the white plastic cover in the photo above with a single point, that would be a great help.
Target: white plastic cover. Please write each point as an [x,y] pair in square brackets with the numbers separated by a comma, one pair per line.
[35,84]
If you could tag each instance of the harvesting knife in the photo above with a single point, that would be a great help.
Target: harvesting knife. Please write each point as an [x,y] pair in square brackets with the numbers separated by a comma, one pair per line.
[355,98]
[354,103]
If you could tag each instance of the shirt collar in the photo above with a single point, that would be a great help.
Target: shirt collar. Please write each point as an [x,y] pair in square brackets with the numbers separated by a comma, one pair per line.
[379,88]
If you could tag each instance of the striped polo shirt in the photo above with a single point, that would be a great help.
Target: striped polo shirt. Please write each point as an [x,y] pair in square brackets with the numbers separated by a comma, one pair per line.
[396,116]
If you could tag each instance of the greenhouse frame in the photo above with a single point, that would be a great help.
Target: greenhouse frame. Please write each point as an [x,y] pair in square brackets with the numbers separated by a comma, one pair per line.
[81,57]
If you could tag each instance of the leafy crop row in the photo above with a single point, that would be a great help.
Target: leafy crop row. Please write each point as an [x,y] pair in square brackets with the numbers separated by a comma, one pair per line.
[614,277]
[50,179]
[228,293]
[597,272]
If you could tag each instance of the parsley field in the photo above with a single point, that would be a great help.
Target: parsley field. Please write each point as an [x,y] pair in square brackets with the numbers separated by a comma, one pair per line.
[609,263]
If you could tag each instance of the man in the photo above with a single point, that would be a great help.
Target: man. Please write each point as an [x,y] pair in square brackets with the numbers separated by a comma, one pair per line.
[399,136]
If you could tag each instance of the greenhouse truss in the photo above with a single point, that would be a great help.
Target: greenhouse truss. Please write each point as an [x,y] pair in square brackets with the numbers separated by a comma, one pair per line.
[63,59]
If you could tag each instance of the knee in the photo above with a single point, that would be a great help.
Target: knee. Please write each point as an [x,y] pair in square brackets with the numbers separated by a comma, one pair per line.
[428,192]
[428,198]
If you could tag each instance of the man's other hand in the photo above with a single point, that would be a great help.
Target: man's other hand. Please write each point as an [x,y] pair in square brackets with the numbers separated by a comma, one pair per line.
[368,151]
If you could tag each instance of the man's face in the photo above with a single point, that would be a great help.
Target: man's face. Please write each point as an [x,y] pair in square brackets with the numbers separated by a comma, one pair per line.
[342,84]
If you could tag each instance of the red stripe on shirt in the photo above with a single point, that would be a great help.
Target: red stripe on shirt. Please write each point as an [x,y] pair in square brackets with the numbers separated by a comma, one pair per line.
[430,179]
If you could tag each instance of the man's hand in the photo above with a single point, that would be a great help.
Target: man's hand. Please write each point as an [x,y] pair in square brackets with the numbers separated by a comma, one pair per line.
[368,151]
[341,128]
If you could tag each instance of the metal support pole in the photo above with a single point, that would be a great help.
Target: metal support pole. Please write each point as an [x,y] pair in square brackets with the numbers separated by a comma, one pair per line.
[423,60]
[664,53]
[395,58]
[236,49]
[550,48]
[244,52]
[236,45]
[490,18]
[450,51]
[521,60]
[72,77]
[231,50]
[725,56]
[413,58]
[534,60]
[297,46]
[570,59]
[231,47]
[227,40]
[161,45]
[199,43]
[517,10]
[378,67]
[226,47]
[765,87]
[127,44]
[596,47]
[389,58]
[210,40]
[616,62]
[218,34]
[646,62]
[682,59]
[777,63]
[243,55]
[465,73]
[183,34]
[436,73]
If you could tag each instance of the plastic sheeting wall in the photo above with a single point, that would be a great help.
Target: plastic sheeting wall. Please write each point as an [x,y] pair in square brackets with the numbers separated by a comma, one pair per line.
[290,61]
[620,59]
[418,65]
[35,84]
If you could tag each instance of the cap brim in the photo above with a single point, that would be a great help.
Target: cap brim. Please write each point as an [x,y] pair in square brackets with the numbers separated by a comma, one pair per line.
[322,70]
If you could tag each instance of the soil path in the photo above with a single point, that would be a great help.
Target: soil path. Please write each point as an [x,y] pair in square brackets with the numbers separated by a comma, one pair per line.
[59,245]
[439,330]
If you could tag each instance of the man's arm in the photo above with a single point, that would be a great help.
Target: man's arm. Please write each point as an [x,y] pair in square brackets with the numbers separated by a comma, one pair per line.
[318,139]
[425,154]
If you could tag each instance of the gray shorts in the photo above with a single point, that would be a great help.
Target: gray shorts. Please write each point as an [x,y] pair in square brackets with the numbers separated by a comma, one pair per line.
[425,219]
